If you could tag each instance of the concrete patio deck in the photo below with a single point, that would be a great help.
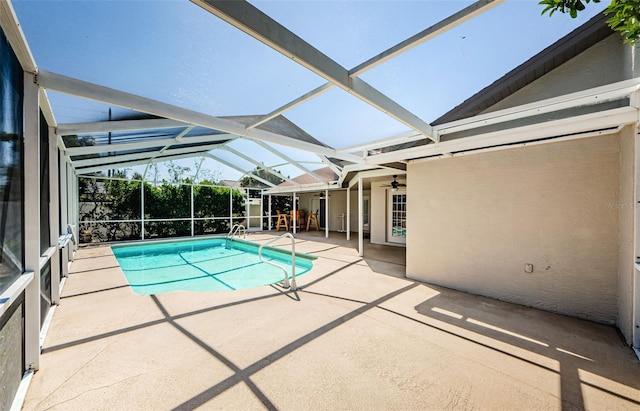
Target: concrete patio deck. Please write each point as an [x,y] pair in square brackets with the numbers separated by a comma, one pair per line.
[354,336]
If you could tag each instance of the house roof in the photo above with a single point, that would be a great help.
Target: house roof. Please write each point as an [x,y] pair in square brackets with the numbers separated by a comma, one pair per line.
[306,178]
[537,66]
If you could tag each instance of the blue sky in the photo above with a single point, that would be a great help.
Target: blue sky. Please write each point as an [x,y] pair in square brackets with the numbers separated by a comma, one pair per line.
[175,52]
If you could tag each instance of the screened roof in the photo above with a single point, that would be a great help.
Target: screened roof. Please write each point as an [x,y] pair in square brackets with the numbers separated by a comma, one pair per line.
[290,86]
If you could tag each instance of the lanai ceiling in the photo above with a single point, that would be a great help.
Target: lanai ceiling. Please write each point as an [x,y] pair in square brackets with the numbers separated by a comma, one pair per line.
[285,86]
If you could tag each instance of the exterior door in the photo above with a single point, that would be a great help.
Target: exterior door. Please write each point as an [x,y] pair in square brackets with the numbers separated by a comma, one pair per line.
[397,216]
[366,207]
[318,204]
[253,213]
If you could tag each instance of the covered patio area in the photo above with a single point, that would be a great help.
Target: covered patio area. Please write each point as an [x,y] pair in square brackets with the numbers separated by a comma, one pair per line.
[333,344]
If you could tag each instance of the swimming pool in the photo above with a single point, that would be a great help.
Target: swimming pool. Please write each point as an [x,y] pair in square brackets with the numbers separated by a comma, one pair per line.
[213,264]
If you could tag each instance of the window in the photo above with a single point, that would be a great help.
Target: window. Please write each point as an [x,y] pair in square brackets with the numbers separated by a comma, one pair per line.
[45,198]
[11,180]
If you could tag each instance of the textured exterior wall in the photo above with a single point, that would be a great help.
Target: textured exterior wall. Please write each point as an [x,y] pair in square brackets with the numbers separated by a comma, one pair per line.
[626,252]
[476,220]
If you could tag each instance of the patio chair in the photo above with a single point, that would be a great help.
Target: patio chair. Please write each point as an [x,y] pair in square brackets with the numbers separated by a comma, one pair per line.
[297,219]
[282,219]
[312,218]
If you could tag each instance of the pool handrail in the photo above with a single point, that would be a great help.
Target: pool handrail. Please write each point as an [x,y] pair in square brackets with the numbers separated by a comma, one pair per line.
[236,230]
[285,283]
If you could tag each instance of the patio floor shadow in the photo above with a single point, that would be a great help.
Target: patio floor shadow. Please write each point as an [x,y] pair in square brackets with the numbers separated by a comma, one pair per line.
[348,338]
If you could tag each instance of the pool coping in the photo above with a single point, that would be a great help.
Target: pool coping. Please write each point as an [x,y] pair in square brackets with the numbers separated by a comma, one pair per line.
[192,239]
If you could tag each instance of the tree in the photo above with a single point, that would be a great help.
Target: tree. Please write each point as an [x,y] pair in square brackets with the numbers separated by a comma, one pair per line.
[280,203]
[624,14]
[73,140]
[249,181]
[177,172]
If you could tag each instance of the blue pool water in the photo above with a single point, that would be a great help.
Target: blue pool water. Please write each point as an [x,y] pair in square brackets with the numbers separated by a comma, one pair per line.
[214,264]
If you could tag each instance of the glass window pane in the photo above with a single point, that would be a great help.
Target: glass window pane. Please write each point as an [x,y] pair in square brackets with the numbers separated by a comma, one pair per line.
[11,148]
[44,185]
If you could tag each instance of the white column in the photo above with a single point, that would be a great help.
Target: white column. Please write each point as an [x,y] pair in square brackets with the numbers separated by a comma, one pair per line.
[270,208]
[76,208]
[54,219]
[261,210]
[69,194]
[69,211]
[230,208]
[75,196]
[326,213]
[348,214]
[62,164]
[295,214]
[64,216]
[360,219]
[142,209]
[32,222]
[192,210]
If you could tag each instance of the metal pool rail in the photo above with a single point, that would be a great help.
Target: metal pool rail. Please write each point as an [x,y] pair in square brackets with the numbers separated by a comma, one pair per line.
[285,284]
[236,229]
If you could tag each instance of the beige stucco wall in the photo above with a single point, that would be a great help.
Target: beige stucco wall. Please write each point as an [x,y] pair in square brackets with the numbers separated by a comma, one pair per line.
[476,221]
[626,251]
[591,68]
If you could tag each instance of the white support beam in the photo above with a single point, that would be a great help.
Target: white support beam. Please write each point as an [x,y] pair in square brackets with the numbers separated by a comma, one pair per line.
[331,165]
[76,202]
[294,103]
[450,22]
[108,148]
[291,161]
[61,146]
[120,165]
[115,126]
[177,139]
[13,31]
[263,28]
[592,96]
[63,167]
[46,109]
[361,167]
[195,175]
[326,213]
[54,215]
[237,168]
[442,26]
[573,125]
[31,222]
[348,217]
[70,201]
[147,155]
[260,165]
[91,91]
[302,188]
[294,219]
[407,137]
[374,174]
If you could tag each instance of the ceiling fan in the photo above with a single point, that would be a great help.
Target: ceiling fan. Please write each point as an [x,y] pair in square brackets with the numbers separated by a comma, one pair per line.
[395,184]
